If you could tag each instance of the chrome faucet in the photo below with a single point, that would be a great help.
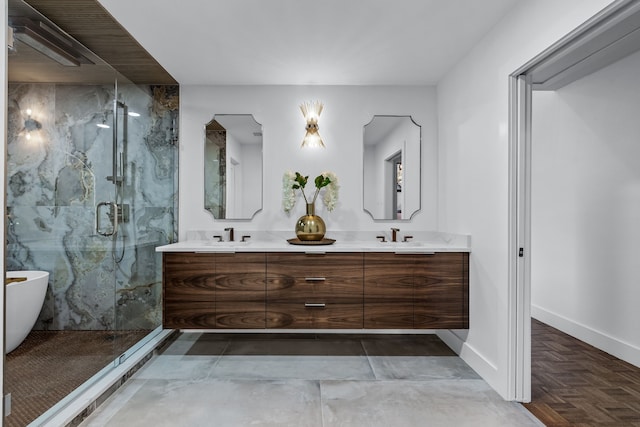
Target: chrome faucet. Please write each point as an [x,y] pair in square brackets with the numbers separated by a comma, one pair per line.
[230,230]
[394,234]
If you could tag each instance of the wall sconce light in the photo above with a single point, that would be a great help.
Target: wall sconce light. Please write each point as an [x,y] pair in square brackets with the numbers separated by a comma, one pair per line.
[31,124]
[311,112]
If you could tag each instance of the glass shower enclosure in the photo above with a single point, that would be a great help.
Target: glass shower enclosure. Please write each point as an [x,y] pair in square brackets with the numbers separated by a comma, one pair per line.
[91,192]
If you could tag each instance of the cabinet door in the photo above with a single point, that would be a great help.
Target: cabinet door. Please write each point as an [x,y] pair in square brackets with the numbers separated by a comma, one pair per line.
[240,290]
[388,290]
[188,290]
[318,291]
[442,291]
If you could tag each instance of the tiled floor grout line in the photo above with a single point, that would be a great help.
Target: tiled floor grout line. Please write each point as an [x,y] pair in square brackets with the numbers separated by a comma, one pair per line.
[373,369]
[222,353]
[322,423]
[325,388]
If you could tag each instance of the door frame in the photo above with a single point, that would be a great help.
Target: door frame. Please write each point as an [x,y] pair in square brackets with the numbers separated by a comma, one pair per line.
[603,39]
[519,360]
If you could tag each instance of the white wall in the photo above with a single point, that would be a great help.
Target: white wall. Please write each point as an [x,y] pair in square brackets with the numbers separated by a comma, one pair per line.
[473,148]
[586,208]
[346,110]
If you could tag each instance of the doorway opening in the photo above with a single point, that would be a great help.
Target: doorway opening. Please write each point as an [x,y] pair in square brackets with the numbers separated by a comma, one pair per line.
[394,166]
[606,38]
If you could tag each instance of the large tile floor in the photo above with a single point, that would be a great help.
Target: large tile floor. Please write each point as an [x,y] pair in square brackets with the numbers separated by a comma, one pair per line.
[307,380]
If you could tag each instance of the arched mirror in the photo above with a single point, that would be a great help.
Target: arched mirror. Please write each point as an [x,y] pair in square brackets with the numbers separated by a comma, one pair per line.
[391,189]
[233,166]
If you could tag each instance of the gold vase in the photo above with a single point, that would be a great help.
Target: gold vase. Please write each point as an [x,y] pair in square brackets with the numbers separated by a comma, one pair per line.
[310,226]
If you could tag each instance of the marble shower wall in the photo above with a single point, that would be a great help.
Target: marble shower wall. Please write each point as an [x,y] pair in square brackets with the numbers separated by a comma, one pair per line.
[55,180]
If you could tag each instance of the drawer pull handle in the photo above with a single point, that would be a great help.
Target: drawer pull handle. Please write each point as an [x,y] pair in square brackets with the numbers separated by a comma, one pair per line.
[314,304]
[315,279]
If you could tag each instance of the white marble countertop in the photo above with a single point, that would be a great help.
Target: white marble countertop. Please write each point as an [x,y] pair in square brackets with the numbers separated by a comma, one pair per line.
[420,242]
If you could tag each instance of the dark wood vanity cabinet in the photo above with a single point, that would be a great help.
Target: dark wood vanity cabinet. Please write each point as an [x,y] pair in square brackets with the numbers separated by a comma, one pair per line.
[388,290]
[292,290]
[416,290]
[214,290]
[441,292]
[240,290]
[314,290]
[188,290]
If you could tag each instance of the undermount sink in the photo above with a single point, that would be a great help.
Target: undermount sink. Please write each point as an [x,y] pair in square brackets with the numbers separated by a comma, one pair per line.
[216,243]
[408,243]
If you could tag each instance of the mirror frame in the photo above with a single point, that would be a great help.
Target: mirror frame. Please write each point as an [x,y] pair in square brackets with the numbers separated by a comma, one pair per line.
[249,218]
[419,207]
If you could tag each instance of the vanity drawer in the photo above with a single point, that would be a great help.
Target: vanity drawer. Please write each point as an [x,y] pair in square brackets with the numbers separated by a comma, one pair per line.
[328,288]
[327,277]
[311,264]
[314,315]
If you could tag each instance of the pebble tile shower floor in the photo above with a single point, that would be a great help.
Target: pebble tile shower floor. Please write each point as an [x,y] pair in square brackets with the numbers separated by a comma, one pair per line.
[49,365]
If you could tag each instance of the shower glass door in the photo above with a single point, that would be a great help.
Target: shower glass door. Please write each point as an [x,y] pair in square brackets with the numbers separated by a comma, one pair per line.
[90,196]
[144,166]
[91,185]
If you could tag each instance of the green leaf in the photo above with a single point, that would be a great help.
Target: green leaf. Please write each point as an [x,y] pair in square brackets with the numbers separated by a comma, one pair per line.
[301,180]
[322,181]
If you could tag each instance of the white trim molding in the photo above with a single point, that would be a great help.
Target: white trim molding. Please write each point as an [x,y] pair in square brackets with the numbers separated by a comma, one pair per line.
[605,342]
[472,357]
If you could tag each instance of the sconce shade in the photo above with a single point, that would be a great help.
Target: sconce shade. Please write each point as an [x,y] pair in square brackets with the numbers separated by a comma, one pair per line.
[311,112]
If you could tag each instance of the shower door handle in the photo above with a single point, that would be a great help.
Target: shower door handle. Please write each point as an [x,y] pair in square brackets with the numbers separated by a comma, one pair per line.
[113,215]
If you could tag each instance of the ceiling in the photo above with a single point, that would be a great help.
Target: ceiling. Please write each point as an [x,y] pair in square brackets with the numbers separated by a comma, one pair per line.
[300,42]
[94,33]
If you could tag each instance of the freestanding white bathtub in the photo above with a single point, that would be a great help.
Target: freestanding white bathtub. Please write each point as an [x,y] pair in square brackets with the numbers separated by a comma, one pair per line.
[24,301]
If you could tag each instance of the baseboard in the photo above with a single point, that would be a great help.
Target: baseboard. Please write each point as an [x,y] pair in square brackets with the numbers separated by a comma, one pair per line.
[472,357]
[612,345]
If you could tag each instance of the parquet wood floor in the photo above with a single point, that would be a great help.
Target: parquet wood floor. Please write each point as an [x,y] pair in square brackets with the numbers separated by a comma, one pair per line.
[575,384]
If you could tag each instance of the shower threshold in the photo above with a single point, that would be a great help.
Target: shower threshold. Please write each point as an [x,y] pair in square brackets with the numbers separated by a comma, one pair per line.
[62,394]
